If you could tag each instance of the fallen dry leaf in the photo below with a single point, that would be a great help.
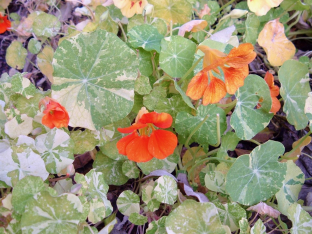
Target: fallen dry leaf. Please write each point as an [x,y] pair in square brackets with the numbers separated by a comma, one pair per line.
[192,26]
[276,45]
[297,152]
[263,208]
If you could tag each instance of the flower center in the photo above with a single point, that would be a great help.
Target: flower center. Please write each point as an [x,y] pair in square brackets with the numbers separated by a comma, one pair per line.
[147,131]
[51,112]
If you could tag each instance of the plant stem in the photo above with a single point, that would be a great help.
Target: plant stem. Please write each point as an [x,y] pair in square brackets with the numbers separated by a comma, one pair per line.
[195,130]
[294,23]
[218,132]
[225,5]
[201,157]
[287,10]
[303,31]
[190,70]
[123,31]
[254,141]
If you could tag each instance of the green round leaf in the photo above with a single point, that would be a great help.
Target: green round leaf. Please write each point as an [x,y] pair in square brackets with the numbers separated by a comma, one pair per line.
[288,194]
[230,214]
[97,211]
[257,176]
[111,169]
[20,161]
[176,55]
[168,164]
[84,140]
[294,78]
[128,202]
[172,106]
[137,219]
[186,123]
[177,11]
[16,55]
[142,85]
[166,190]
[94,72]
[258,228]
[301,220]
[145,36]
[130,169]
[28,106]
[247,120]
[34,46]
[194,217]
[148,196]
[229,142]
[47,214]
[157,227]
[56,148]
[25,189]
[46,25]
[252,26]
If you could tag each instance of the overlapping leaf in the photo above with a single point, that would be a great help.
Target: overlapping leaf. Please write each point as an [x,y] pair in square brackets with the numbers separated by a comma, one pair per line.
[92,73]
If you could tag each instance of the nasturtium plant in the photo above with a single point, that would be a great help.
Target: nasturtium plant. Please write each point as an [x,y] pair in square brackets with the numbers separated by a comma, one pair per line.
[256,176]
[165,190]
[90,70]
[128,202]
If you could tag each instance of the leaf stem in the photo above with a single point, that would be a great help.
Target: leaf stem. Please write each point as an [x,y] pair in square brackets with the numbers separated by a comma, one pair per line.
[218,132]
[195,130]
[225,5]
[190,70]
[123,31]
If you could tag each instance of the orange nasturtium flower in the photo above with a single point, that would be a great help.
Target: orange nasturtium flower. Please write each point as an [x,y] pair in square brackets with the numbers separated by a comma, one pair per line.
[235,69]
[274,91]
[5,24]
[55,115]
[146,140]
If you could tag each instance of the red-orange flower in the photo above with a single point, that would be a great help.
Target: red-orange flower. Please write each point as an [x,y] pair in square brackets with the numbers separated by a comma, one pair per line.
[55,114]
[206,84]
[146,140]
[4,23]
[274,91]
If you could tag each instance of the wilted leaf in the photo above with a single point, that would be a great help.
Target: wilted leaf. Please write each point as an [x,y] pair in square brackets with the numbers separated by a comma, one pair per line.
[192,26]
[177,11]
[261,7]
[263,208]
[44,62]
[276,45]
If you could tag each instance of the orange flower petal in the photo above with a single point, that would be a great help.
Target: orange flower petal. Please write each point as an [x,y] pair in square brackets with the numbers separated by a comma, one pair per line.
[160,120]
[241,56]
[123,142]
[197,86]
[5,24]
[137,149]
[47,120]
[214,92]
[276,105]
[162,143]
[234,77]
[269,79]
[211,55]
[55,114]
[132,128]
